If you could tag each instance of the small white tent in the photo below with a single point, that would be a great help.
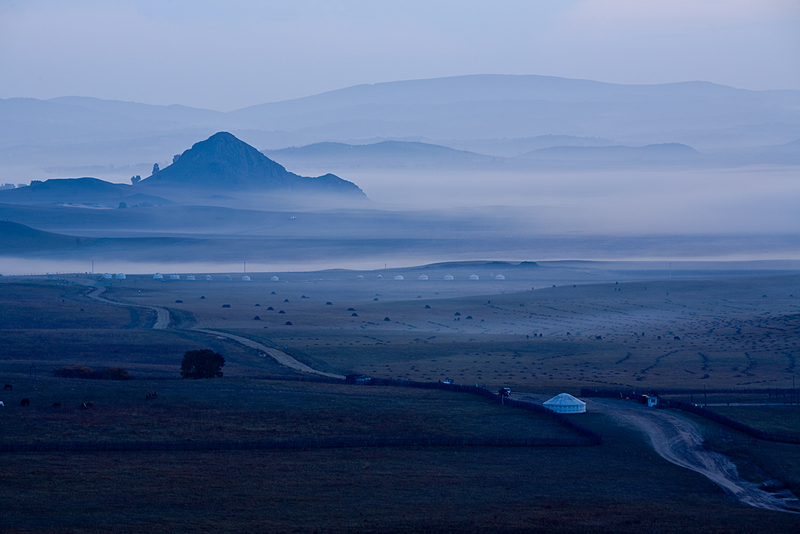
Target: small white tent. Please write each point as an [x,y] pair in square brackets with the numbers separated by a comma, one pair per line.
[158,276]
[245,278]
[174,277]
[106,276]
[190,277]
[565,403]
[499,277]
[448,277]
[423,277]
[399,277]
[474,277]
[121,276]
[274,278]
[208,277]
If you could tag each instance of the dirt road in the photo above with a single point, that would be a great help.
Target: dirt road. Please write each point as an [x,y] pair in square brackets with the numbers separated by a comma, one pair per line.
[679,441]
[280,357]
[162,320]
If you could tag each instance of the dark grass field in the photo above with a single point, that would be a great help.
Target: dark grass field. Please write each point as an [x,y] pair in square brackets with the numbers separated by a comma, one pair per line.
[241,409]
[620,486]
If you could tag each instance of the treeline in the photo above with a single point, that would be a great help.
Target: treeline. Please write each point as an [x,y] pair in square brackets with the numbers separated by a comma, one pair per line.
[81,371]
[294,444]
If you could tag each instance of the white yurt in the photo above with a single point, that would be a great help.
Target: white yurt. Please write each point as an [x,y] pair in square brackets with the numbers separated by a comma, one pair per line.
[228,277]
[174,277]
[106,276]
[399,277]
[208,277]
[448,277]
[121,276]
[158,276]
[474,277]
[190,277]
[565,403]
[379,277]
[359,277]
[499,277]
[274,279]
[245,278]
[423,277]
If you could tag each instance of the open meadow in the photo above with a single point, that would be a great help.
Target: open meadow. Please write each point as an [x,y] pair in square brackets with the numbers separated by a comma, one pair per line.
[582,326]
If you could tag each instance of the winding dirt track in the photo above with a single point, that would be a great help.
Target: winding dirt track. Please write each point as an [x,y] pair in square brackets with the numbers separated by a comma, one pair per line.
[163,315]
[163,321]
[280,357]
[679,441]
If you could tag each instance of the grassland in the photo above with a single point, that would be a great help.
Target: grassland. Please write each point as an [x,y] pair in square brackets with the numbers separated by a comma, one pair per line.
[734,332]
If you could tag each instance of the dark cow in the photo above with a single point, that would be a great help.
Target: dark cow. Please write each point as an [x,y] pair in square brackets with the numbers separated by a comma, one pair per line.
[8,387]
[25,402]
[56,405]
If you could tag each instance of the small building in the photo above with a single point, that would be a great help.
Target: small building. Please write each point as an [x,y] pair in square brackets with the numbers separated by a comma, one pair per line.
[174,277]
[121,276]
[106,276]
[650,400]
[474,277]
[448,277]
[274,279]
[158,276]
[565,403]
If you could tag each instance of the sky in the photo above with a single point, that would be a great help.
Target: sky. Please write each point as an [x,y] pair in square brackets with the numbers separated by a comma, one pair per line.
[229,55]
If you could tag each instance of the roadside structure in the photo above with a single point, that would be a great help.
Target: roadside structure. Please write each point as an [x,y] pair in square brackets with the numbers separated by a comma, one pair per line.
[565,403]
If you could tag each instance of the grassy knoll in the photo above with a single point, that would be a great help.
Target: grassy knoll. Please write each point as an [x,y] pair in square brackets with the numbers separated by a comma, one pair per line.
[620,486]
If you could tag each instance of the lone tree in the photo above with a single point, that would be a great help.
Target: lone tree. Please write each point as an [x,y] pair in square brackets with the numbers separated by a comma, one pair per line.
[202,364]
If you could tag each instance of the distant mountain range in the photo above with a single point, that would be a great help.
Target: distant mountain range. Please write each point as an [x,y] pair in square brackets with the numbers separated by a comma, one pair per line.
[495,115]
[221,165]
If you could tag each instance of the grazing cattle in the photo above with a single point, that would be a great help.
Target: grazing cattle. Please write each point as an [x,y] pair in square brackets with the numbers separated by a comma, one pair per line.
[86,405]
[8,387]
[25,402]
[152,395]
[56,405]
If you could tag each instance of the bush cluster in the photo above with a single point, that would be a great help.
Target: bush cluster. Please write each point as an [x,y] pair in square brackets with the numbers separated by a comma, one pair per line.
[81,371]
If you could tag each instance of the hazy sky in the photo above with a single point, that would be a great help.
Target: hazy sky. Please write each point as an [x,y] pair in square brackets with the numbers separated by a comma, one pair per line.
[227,55]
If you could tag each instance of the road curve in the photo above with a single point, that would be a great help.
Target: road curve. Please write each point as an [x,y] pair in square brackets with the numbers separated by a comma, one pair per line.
[280,357]
[678,440]
[162,320]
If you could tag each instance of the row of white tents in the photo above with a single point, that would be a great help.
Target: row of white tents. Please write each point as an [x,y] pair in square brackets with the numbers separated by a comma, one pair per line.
[425,277]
